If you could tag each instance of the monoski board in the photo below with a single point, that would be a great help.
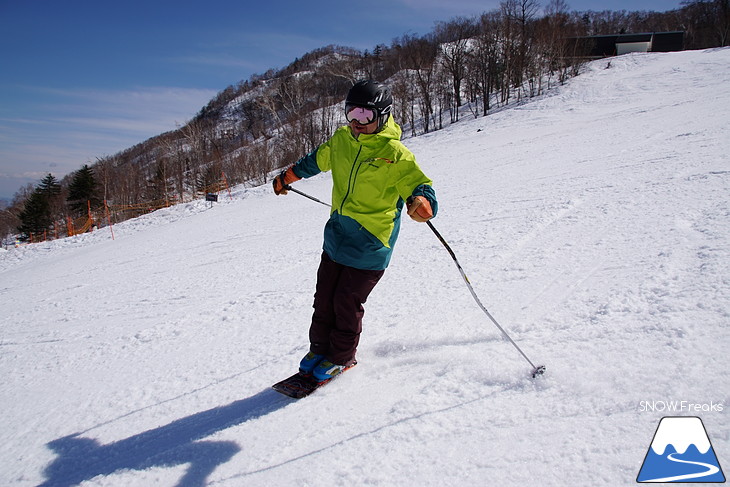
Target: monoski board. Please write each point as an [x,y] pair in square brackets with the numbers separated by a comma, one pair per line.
[301,385]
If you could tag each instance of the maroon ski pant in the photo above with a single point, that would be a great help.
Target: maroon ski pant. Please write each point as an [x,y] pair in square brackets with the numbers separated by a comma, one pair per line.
[337,319]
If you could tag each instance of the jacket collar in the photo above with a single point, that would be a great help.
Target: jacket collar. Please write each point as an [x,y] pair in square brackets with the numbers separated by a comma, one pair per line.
[390,131]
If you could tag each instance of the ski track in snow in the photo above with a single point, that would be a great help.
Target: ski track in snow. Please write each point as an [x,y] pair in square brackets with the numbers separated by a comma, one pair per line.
[592,222]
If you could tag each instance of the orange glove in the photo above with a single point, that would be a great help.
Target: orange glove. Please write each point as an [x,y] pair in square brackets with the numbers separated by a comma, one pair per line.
[419,208]
[285,179]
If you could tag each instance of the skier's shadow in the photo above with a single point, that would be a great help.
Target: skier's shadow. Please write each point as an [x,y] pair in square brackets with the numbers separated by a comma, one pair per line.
[81,459]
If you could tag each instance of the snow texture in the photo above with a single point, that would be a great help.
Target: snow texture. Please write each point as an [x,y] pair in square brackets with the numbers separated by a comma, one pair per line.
[592,222]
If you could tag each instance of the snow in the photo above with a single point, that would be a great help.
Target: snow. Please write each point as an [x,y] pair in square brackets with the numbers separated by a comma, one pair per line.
[592,223]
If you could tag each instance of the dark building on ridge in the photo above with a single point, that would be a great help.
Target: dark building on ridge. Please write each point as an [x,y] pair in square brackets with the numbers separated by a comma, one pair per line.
[600,46]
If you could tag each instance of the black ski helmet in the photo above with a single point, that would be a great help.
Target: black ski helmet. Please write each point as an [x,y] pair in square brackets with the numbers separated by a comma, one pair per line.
[373,95]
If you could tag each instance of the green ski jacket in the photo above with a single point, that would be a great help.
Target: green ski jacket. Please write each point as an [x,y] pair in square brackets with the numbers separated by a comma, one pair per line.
[372,177]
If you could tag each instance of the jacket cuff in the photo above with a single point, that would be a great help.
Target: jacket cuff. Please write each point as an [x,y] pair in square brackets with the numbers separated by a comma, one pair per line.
[427,192]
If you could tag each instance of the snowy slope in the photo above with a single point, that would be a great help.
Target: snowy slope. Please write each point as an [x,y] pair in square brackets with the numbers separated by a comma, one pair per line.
[593,223]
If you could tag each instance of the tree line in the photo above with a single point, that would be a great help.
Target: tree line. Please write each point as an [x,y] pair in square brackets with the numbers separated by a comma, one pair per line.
[463,67]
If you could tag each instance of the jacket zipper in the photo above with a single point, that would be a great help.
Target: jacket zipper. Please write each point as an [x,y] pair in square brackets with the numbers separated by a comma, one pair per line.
[351,180]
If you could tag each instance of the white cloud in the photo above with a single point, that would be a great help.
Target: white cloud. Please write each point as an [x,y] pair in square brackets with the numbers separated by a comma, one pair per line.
[152,108]
[70,128]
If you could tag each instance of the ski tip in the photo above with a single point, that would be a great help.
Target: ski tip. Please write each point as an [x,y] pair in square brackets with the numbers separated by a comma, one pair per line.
[539,370]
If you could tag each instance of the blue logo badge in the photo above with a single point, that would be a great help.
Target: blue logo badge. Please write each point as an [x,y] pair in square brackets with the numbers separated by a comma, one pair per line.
[681,452]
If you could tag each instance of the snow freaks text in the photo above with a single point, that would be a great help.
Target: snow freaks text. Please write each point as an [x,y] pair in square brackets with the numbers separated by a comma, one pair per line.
[663,406]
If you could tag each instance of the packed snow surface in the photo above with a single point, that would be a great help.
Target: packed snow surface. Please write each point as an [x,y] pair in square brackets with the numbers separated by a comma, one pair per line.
[592,222]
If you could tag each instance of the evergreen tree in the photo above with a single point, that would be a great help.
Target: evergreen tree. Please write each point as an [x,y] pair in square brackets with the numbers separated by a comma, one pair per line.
[37,214]
[35,218]
[50,187]
[83,189]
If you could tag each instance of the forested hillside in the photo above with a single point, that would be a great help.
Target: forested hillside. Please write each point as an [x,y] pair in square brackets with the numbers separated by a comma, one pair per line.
[465,67]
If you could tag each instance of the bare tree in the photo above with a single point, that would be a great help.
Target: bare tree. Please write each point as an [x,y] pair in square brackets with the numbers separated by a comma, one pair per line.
[419,55]
[402,88]
[196,135]
[454,37]
[484,62]
[706,22]
[518,16]
[552,32]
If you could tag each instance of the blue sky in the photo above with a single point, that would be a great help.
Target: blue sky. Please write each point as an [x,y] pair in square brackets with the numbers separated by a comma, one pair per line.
[82,79]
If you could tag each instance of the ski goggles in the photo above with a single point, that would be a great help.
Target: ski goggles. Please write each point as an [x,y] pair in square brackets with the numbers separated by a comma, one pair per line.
[363,116]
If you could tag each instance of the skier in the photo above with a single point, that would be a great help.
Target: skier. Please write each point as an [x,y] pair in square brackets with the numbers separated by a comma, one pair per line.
[373,174]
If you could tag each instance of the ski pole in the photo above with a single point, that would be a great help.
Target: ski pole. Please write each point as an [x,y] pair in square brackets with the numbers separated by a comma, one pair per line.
[536,370]
[289,188]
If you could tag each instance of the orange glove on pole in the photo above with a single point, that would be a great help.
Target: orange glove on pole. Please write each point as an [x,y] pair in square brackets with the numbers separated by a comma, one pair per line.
[285,179]
[419,208]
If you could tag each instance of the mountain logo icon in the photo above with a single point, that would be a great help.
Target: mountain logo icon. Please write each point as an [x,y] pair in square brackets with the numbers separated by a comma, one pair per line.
[681,452]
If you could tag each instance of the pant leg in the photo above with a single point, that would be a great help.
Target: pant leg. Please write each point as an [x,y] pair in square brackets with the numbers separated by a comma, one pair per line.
[324,318]
[338,311]
[354,287]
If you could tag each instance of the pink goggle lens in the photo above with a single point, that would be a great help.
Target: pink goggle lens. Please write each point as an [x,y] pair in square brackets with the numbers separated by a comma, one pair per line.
[361,115]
